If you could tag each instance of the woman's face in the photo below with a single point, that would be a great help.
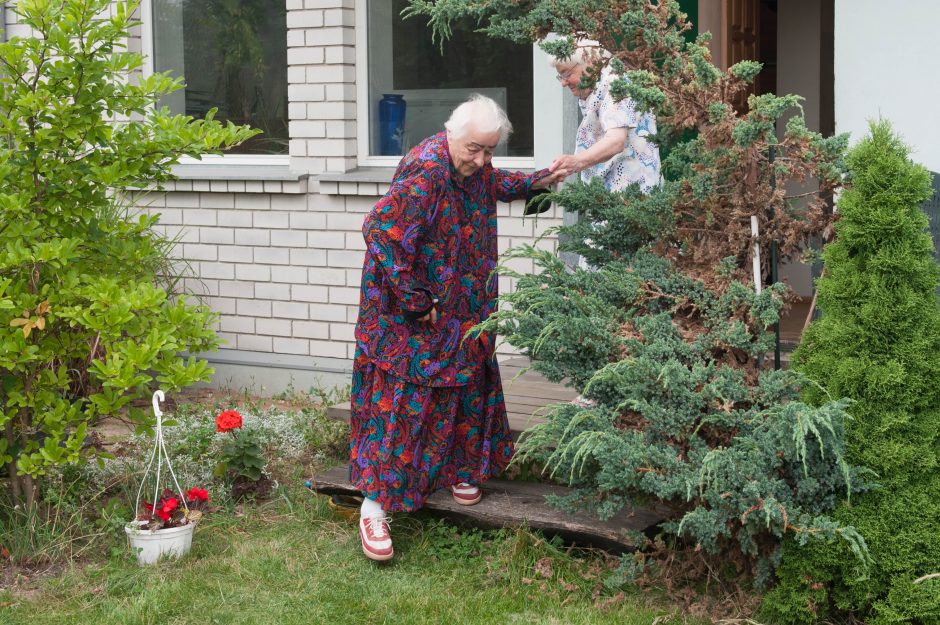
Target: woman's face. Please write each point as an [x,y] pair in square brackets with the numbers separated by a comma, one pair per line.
[570,76]
[472,151]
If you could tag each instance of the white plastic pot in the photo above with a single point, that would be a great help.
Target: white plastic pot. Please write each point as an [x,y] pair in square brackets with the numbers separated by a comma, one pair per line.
[151,545]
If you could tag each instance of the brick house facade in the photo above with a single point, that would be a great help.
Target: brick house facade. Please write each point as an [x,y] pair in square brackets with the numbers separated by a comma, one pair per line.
[277,248]
[274,245]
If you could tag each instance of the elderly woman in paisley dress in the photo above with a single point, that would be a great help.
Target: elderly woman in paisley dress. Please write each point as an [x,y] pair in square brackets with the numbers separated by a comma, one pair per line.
[427,401]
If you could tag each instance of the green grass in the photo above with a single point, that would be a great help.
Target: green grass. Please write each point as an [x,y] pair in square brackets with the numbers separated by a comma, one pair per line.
[294,560]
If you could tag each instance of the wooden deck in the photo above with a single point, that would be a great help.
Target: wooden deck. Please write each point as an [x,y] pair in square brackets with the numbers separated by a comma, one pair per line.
[526,395]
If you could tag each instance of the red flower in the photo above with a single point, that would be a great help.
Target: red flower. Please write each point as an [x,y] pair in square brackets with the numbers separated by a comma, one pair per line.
[197,494]
[227,421]
[168,510]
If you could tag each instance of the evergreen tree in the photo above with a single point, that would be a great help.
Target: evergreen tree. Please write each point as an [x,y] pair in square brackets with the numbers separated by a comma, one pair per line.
[666,336]
[878,343]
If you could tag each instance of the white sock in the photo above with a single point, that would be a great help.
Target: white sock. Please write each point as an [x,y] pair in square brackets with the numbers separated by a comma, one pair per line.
[371,509]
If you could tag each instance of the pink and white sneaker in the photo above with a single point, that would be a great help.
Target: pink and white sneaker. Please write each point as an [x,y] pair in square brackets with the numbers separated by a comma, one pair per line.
[466,494]
[376,539]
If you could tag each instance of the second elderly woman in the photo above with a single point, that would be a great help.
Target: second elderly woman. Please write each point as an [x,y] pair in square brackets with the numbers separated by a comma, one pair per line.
[613,137]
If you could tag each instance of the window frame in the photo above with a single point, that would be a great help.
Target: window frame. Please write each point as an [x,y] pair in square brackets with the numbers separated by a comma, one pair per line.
[547,91]
[244,160]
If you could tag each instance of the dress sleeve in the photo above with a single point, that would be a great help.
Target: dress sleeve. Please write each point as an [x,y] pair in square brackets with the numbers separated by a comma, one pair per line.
[613,114]
[393,231]
[515,185]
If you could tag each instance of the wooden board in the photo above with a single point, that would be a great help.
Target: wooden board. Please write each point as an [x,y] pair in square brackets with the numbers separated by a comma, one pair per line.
[513,504]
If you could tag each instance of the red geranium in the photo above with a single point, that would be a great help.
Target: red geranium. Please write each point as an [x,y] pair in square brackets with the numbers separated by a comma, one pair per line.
[228,420]
[168,511]
[197,494]
[241,457]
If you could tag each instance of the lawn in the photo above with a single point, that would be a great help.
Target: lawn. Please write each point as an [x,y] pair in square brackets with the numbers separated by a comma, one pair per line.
[291,558]
[296,560]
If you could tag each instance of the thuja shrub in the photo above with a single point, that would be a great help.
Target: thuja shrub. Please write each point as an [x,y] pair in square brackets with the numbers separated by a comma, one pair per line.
[878,342]
[89,316]
[664,334]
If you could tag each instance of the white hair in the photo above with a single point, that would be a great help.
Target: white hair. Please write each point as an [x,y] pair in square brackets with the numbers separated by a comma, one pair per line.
[585,52]
[480,113]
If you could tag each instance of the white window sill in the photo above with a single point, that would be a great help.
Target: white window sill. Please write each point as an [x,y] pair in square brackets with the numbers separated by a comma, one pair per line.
[360,174]
[213,171]
[235,178]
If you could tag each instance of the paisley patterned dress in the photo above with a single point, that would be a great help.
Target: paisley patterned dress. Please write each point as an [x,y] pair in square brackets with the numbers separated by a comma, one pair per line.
[427,401]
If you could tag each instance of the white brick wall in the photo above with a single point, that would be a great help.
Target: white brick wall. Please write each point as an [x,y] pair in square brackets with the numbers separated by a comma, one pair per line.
[321,85]
[288,281]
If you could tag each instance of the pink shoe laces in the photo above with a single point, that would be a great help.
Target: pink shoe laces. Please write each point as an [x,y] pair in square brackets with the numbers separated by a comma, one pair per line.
[377,526]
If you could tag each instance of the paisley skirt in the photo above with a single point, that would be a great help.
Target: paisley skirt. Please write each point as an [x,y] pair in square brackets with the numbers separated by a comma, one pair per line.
[409,441]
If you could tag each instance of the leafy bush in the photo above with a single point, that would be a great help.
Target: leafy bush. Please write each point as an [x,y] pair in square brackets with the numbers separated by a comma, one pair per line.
[878,342]
[88,320]
[666,336]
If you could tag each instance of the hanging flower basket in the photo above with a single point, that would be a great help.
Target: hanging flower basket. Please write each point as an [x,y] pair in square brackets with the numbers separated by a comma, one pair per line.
[165,526]
[151,545]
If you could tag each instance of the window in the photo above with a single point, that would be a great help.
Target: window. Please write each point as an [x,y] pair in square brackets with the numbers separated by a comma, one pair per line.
[408,88]
[232,55]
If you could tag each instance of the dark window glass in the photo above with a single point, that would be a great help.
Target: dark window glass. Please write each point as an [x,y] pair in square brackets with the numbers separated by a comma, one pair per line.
[403,61]
[232,55]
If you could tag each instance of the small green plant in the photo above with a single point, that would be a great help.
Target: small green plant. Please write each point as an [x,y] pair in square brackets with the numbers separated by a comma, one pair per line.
[877,342]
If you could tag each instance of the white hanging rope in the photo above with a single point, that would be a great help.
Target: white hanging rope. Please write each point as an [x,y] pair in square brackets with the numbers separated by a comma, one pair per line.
[756,258]
[160,455]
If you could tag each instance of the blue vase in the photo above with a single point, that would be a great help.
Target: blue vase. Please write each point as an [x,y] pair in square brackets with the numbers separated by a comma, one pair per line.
[391,124]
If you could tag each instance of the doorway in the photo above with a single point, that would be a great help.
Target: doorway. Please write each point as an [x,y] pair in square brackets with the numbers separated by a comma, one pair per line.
[794,41]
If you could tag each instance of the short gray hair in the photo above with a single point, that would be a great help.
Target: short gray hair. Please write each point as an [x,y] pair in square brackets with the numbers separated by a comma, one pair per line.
[585,52]
[481,113]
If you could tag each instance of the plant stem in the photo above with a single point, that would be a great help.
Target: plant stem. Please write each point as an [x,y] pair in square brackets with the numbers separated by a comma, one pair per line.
[15,487]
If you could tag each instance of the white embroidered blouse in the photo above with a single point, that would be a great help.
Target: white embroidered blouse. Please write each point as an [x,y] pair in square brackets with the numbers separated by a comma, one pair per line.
[639,161]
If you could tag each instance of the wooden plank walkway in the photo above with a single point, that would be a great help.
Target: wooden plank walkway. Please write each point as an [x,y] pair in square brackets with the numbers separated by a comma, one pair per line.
[512,504]
[526,395]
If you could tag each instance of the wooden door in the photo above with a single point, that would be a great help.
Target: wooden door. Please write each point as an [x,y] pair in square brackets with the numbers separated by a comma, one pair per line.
[740,38]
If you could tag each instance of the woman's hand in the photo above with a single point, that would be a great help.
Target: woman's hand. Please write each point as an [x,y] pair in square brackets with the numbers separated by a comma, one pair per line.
[613,142]
[549,180]
[566,164]
[432,314]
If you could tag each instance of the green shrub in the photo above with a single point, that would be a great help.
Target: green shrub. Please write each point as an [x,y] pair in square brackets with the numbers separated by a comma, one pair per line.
[878,342]
[666,334]
[733,455]
[87,323]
